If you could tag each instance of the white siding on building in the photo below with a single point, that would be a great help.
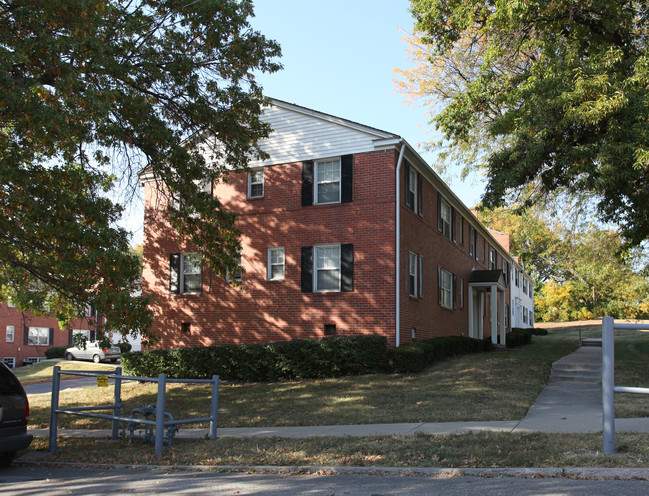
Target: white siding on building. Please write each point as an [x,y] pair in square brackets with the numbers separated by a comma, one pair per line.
[300,134]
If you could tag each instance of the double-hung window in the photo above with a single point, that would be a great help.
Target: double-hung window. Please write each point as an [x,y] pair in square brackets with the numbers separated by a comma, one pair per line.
[415,274]
[256,183]
[327,183]
[327,268]
[445,218]
[493,258]
[80,336]
[39,336]
[446,284]
[11,333]
[414,190]
[185,274]
[276,264]
[237,274]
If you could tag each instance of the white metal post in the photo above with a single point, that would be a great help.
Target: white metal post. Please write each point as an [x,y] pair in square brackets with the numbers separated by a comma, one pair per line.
[608,387]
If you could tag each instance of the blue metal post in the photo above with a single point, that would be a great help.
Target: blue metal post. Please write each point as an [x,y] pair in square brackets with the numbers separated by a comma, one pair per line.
[160,414]
[54,417]
[215,406]
[608,386]
[118,401]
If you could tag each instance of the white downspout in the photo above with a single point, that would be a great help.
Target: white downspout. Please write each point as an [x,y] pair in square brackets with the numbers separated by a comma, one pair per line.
[398,236]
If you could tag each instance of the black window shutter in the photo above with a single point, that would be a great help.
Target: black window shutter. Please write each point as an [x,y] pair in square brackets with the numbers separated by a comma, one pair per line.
[93,335]
[50,339]
[69,336]
[307,269]
[440,223]
[307,183]
[407,184]
[174,273]
[347,178]
[420,195]
[347,267]
[439,284]
[26,335]
[454,291]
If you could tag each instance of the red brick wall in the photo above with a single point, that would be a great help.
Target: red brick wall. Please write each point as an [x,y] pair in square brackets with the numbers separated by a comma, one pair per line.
[420,235]
[262,310]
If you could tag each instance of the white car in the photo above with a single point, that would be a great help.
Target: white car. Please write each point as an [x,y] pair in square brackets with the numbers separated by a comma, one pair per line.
[93,350]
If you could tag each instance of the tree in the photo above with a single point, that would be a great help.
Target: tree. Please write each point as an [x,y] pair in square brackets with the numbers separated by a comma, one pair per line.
[547,93]
[581,270]
[92,92]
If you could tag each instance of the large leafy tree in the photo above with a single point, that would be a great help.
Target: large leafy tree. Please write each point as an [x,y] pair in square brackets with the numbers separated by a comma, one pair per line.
[581,270]
[92,92]
[548,93]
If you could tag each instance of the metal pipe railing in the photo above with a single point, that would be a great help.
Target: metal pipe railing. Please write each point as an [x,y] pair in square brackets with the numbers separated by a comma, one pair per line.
[159,422]
[608,380]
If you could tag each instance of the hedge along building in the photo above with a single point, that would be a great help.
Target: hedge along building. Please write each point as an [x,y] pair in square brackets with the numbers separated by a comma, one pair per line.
[346,230]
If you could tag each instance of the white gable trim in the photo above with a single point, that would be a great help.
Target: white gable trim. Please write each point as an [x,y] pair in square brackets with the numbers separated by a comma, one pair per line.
[304,134]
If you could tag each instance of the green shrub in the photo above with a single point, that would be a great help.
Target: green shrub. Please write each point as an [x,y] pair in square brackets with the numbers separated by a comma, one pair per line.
[124,347]
[415,357]
[298,359]
[55,352]
[539,331]
[519,337]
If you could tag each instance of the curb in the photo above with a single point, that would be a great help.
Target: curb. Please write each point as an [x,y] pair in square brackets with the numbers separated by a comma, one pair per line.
[520,473]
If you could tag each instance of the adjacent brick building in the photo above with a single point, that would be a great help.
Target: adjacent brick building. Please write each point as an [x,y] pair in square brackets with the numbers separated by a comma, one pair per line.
[26,336]
[346,230]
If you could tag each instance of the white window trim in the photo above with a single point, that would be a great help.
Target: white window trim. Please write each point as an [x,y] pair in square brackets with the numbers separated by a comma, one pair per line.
[316,269]
[412,188]
[9,362]
[447,222]
[181,275]
[12,333]
[251,183]
[316,183]
[238,274]
[446,291]
[418,274]
[38,343]
[85,332]
[271,264]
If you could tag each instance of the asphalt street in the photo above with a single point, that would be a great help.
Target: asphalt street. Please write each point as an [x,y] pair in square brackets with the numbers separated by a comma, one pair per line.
[23,481]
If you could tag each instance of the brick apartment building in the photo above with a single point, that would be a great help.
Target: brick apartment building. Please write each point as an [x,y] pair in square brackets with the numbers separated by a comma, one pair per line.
[346,230]
[27,336]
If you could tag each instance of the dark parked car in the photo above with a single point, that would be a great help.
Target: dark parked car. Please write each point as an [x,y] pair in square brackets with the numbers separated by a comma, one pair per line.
[14,414]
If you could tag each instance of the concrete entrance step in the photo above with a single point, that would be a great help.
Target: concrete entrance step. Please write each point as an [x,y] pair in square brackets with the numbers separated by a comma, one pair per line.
[595,342]
[585,365]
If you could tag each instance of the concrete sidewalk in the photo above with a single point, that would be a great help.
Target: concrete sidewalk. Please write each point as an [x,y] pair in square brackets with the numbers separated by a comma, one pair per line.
[567,404]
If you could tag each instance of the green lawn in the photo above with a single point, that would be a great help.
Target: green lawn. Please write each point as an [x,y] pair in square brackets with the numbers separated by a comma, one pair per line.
[40,372]
[498,385]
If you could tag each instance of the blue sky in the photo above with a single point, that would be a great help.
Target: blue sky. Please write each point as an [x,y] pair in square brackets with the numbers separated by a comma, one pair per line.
[339,58]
